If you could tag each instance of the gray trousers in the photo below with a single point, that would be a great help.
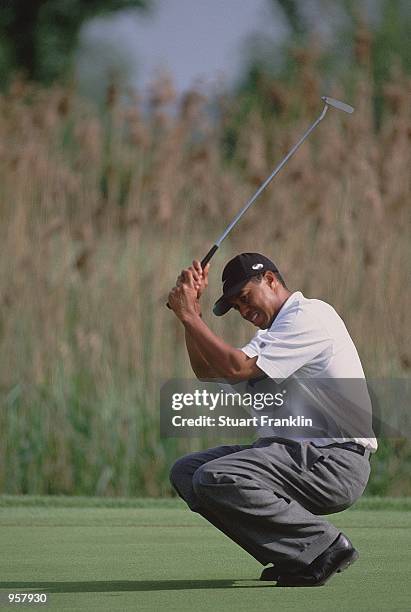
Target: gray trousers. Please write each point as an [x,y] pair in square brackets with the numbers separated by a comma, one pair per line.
[267,497]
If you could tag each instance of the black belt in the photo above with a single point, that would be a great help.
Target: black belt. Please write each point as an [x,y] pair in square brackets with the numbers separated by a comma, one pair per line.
[351,446]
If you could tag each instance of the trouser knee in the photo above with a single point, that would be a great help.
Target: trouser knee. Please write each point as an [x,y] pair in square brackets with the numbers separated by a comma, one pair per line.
[207,486]
[179,474]
[181,478]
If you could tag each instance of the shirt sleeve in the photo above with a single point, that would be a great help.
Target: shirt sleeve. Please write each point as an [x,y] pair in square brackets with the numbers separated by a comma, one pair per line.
[288,346]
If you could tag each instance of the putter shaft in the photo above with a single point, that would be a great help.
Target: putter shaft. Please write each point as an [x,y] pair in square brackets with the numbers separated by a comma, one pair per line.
[327,103]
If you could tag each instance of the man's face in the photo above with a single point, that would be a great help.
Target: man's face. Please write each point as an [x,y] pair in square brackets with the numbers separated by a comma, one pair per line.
[257,301]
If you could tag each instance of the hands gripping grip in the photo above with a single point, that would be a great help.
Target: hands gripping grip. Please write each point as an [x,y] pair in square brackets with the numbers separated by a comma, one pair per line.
[205,260]
[209,255]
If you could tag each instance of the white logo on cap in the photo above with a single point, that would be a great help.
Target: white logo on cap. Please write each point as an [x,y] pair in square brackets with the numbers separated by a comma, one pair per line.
[257,266]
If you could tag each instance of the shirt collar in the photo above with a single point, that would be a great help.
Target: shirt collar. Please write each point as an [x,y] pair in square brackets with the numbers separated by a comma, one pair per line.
[286,307]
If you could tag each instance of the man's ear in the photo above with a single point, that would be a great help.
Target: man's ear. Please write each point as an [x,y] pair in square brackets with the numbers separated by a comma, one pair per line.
[270,278]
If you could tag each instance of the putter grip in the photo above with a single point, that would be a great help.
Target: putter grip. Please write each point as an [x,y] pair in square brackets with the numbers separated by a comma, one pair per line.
[205,260]
[209,255]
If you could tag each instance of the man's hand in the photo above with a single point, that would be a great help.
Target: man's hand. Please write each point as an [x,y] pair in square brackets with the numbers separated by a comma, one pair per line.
[200,277]
[182,299]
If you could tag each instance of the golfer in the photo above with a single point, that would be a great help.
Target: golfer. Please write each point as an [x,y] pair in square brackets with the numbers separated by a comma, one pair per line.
[269,496]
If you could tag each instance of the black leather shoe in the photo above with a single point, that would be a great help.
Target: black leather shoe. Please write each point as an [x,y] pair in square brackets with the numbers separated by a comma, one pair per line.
[335,559]
[283,569]
[271,573]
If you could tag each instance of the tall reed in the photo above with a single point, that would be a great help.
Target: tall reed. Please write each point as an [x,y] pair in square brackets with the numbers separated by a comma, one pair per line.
[100,213]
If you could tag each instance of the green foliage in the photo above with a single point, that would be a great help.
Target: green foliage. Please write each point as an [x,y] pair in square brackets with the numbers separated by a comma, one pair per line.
[292,10]
[362,37]
[391,46]
[392,39]
[39,37]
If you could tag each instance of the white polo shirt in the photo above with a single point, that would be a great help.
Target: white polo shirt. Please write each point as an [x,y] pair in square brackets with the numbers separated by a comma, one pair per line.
[308,341]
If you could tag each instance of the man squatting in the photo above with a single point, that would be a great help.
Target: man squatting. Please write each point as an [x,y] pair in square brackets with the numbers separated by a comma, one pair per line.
[269,497]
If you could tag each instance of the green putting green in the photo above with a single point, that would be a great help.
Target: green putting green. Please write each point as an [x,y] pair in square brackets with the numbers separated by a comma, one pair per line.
[156,555]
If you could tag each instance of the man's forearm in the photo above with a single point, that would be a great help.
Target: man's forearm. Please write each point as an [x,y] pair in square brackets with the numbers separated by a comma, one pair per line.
[200,366]
[212,348]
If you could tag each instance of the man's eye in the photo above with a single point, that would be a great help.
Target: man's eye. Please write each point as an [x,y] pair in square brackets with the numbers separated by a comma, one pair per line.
[243,299]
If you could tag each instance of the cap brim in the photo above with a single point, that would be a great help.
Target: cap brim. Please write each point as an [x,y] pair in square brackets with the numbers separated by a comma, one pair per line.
[222,305]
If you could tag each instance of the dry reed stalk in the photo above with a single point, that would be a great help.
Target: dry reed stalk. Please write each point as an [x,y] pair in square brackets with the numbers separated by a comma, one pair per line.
[101,213]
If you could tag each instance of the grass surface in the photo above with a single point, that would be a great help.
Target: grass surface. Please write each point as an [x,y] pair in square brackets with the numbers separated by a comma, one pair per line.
[159,556]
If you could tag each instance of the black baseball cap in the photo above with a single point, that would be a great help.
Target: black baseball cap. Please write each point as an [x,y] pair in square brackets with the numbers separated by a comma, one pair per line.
[237,273]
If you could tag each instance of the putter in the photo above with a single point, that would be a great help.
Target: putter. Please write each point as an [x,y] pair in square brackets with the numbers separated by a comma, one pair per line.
[342,106]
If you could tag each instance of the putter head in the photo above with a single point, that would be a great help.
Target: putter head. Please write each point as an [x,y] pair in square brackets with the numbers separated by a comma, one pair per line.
[342,106]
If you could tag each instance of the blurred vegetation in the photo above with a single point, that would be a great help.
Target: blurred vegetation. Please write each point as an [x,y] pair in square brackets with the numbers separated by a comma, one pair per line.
[99,214]
[100,211]
[39,37]
[344,38]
